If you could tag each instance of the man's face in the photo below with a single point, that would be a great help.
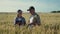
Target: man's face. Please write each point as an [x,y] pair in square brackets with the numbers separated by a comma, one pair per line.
[31,11]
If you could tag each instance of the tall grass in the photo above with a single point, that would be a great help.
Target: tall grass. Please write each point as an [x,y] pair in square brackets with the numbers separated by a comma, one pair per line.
[50,24]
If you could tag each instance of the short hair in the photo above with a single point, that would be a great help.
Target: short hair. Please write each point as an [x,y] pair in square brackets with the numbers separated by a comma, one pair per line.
[19,11]
[31,8]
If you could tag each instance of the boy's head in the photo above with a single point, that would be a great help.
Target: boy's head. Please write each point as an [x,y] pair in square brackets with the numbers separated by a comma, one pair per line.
[19,13]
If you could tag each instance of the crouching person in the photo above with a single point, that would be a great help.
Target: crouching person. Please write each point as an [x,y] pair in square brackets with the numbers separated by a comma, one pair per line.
[20,20]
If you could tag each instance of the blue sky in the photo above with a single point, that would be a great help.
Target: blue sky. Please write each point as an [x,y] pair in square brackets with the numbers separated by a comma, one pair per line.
[40,5]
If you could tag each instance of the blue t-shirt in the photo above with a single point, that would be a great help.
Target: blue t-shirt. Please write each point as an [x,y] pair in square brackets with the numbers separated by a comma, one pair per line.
[20,20]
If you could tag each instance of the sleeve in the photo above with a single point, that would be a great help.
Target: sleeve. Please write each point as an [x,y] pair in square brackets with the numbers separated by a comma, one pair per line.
[15,21]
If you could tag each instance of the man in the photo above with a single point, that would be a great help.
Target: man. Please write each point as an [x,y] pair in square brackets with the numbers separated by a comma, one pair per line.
[34,18]
[20,20]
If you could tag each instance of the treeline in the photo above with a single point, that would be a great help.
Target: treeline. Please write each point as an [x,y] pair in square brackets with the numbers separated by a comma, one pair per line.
[55,12]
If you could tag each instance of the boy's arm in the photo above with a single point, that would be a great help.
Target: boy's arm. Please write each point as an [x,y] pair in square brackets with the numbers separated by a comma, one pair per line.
[24,21]
[15,21]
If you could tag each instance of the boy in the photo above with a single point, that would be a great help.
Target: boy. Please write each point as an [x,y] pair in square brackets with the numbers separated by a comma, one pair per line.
[20,20]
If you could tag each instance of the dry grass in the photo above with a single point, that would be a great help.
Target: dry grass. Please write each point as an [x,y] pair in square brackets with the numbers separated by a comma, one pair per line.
[50,24]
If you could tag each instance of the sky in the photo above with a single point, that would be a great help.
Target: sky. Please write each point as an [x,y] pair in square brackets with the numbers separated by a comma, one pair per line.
[40,5]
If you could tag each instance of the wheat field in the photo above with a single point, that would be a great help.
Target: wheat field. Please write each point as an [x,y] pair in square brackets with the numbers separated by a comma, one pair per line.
[50,24]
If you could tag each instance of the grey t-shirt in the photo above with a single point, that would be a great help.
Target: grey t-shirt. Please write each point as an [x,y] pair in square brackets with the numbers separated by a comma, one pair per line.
[35,19]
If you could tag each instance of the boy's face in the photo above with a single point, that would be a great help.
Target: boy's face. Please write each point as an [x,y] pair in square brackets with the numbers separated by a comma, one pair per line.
[20,14]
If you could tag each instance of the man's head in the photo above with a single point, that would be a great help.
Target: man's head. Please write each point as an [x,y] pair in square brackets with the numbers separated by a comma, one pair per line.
[19,13]
[31,10]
